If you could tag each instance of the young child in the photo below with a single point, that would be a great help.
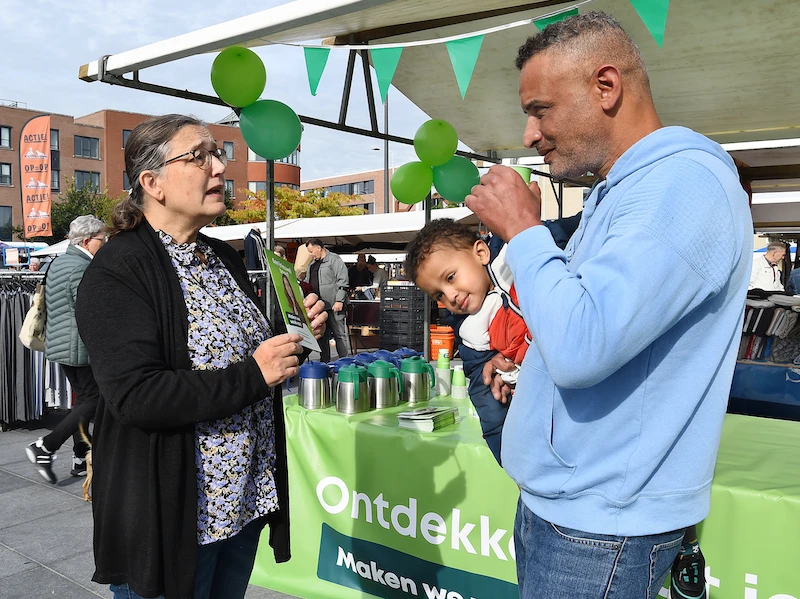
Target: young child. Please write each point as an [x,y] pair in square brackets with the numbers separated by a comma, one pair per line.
[453,265]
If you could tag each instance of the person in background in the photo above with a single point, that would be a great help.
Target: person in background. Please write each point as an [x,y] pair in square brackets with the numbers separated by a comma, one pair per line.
[34,264]
[612,434]
[189,452]
[379,275]
[359,275]
[63,345]
[327,275]
[765,273]
[280,251]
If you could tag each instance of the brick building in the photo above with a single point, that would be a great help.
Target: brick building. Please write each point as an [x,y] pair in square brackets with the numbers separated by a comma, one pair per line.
[367,185]
[92,148]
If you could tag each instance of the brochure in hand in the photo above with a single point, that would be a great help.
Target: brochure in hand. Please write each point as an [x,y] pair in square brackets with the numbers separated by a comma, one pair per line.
[290,299]
[427,419]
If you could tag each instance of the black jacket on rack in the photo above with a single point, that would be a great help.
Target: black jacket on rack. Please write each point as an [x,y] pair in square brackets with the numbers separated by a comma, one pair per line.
[132,317]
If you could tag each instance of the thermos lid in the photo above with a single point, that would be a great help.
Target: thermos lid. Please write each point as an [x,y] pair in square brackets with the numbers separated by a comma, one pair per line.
[381,369]
[352,374]
[414,365]
[314,370]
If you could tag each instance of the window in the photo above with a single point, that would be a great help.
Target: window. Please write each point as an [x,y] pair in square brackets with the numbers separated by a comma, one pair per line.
[253,157]
[5,174]
[55,180]
[54,139]
[256,186]
[288,185]
[87,147]
[293,158]
[5,223]
[126,183]
[125,134]
[229,188]
[228,147]
[363,187]
[5,137]
[87,178]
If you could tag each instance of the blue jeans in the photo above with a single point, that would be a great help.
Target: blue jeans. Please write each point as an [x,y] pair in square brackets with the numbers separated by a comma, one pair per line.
[554,562]
[122,591]
[223,568]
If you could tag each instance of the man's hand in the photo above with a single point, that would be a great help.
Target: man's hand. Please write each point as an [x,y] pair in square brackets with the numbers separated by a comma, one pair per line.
[316,314]
[505,204]
[337,307]
[500,390]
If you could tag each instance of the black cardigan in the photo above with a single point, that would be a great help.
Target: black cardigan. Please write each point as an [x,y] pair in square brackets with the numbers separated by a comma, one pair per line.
[132,317]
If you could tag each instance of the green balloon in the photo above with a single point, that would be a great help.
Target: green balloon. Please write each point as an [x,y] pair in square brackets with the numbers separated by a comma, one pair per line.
[455,178]
[238,76]
[435,142]
[411,183]
[270,128]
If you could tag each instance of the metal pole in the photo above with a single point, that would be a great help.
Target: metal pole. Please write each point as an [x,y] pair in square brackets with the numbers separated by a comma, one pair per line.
[386,202]
[427,331]
[270,230]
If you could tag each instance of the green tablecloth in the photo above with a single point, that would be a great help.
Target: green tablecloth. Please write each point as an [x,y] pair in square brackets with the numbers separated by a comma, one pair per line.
[381,511]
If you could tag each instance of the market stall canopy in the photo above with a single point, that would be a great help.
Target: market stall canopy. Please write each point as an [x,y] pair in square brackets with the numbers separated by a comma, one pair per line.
[371,231]
[727,67]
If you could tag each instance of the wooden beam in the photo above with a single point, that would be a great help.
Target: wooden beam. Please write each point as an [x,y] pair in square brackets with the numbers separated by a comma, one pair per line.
[771,173]
[364,37]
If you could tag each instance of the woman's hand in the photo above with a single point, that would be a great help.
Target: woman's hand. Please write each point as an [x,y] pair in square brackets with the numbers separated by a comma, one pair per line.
[316,314]
[277,358]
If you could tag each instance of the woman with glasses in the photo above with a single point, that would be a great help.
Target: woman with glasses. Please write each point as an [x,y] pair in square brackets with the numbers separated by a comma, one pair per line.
[189,449]
[63,345]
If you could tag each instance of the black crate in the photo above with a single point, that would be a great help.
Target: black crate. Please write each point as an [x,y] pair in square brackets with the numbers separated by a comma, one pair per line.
[392,341]
[410,315]
[411,325]
[402,304]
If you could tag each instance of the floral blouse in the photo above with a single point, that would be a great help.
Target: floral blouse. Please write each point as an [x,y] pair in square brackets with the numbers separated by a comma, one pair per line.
[235,456]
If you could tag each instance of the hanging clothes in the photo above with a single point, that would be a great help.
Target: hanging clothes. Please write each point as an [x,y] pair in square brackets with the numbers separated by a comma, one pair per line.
[28,382]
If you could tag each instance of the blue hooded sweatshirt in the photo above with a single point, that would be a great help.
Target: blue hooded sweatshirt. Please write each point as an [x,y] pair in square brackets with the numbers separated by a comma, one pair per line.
[618,412]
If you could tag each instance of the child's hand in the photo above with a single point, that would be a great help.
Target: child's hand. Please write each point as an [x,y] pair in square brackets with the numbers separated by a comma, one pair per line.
[500,390]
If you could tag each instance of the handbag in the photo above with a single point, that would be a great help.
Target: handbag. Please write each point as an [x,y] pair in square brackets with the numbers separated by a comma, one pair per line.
[32,334]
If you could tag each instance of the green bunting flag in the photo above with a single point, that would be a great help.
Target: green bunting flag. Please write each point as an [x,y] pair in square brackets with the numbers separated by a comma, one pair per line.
[544,22]
[384,61]
[316,58]
[463,56]
[654,15]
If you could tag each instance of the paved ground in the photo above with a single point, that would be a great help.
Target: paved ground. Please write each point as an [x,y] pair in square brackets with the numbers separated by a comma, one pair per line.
[46,530]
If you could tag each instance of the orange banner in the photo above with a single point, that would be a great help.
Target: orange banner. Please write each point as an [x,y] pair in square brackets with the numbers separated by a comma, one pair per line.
[34,167]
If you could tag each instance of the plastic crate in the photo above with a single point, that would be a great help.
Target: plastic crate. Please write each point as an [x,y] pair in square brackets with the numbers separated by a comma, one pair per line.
[402,304]
[392,341]
[412,314]
[409,325]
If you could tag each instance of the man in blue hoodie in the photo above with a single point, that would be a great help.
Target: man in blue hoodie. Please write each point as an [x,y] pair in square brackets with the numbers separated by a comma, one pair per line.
[614,429]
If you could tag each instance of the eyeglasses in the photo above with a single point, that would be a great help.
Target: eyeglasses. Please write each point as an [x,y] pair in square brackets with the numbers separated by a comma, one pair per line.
[102,238]
[202,157]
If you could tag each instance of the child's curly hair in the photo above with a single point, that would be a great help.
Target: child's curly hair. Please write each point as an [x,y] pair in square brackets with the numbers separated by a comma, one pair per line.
[437,233]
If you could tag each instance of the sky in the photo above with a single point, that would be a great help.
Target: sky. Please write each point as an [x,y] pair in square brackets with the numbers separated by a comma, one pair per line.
[51,39]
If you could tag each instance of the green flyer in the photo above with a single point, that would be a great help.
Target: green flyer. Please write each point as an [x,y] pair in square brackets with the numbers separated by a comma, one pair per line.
[290,299]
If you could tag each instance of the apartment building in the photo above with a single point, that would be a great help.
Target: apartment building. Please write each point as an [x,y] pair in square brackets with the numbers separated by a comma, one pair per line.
[91,149]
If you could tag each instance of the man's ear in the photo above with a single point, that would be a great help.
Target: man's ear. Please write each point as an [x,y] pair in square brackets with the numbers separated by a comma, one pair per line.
[482,251]
[151,185]
[607,83]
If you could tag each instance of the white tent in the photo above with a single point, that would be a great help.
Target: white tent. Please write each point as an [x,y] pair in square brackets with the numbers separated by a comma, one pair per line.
[727,68]
[345,230]
[52,250]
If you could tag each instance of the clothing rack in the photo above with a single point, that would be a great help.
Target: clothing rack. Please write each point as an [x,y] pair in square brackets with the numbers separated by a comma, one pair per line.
[28,382]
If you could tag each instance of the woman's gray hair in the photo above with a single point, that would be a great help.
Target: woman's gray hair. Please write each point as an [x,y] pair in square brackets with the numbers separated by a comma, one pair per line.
[146,150]
[84,227]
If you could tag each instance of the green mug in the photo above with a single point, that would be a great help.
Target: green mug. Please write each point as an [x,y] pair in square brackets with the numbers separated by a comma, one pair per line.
[524,172]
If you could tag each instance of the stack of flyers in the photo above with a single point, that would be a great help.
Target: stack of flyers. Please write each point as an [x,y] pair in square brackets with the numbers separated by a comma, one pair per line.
[427,419]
